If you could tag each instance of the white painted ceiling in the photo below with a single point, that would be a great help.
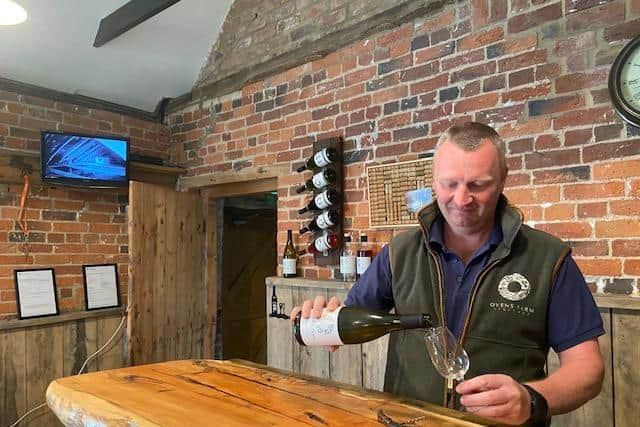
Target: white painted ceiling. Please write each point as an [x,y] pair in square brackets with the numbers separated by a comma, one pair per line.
[158,58]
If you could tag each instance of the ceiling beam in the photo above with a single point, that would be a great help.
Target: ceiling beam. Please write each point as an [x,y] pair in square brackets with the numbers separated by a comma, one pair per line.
[128,16]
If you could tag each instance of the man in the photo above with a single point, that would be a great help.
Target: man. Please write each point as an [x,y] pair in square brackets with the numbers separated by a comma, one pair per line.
[508,293]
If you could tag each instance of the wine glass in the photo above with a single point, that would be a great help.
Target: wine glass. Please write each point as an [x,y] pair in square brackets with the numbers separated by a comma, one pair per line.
[447,356]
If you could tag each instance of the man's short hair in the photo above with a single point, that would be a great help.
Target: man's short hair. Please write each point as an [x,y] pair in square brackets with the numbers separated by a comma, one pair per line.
[470,135]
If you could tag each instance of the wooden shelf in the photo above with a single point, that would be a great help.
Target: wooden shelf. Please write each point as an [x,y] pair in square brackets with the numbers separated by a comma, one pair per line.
[9,324]
[617,301]
[13,162]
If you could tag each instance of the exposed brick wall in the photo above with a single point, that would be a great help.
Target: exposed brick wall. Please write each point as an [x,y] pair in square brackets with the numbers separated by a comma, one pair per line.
[535,70]
[68,227]
[256,31]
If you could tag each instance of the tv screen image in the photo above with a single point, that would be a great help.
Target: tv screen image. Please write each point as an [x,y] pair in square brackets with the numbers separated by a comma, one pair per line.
[84,160]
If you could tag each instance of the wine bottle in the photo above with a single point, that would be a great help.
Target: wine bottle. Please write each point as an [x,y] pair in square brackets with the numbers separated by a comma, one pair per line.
[274,303]
[363,260]
[290,258]
[353,325]
[320,159]
[321,201]
[326,219]
[323,243]
[319,180]
[347,260]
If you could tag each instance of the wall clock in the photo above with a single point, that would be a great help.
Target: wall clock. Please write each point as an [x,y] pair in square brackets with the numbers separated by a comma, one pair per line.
[624,82]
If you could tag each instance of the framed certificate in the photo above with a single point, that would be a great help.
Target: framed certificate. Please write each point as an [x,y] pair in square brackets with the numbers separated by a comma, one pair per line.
[36,293]
[101,286]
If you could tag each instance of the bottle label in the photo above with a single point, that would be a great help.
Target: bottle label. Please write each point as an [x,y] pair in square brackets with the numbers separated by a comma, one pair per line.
[348,264]
[322,331]
[322,201]
[289,266]
[362,263]
[323,221]
[322,243]
[321,159]
[319,180]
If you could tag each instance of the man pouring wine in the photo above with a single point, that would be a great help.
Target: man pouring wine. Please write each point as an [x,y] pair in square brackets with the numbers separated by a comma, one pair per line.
[506,291]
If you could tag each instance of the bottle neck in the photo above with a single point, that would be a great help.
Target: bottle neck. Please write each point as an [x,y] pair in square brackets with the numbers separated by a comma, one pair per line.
[414,321]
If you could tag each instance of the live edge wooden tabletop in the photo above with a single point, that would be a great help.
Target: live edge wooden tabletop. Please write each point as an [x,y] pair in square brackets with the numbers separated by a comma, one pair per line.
[229,393]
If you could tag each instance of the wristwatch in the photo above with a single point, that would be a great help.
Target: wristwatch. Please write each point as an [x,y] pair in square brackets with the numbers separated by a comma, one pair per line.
[539,415]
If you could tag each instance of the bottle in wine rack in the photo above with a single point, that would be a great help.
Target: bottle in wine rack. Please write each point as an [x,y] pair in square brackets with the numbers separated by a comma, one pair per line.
[322,201]
[324,243]
[289,258]
[320,159]
[320,180]
[325,220]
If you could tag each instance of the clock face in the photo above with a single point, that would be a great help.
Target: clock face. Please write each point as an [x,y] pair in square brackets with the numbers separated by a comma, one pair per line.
[624,83]
[630,80]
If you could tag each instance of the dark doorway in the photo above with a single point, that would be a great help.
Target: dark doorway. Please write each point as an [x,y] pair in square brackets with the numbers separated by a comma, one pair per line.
[248,256]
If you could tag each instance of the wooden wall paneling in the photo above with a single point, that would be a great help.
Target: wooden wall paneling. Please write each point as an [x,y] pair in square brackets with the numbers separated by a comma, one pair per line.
[78,342]
[374,362]
[210,279]
[198,289]
[112,356]
[281,344]
[44,363]
[599,411]
[313,360]
[160,311]
[171,288]
[12,376]
[345,364]
[626,327]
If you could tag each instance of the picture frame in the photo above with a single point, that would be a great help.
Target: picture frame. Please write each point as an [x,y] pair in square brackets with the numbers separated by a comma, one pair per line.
[36,293]
[101,286]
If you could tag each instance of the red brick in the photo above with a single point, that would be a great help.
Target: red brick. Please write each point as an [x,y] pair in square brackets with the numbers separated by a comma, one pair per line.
[632,267]
[635,6]
[498,115]
[498,10]
[356,103]
[625,248]
[600,16]
[529,127]
[545,159]
[434,52]
[618,228]
[476,103]
[526,93]
[480,39]
[571,45]
[625,207]
[402,33]
[393,122]
[589,248]
[555,105]
[616,170]
[480,13]
[474,72]
[563,175]
[523,60]
[592,210]
[444,19]
[533,19]
[567,229]
[561,211]
[584,117]
[611,150]
[430,85]
[390,94]
[599,267]
[390,150]
[593,191]
[577,81]
[350,91]
[577,137]
[544,142]
[467,58]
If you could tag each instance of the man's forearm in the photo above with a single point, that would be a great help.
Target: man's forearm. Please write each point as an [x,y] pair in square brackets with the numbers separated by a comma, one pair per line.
[578,380]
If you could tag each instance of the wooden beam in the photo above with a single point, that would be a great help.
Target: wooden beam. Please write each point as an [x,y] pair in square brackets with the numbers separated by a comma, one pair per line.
[247,174]
[128,16]
[404,12]
[232,189]
[84,101]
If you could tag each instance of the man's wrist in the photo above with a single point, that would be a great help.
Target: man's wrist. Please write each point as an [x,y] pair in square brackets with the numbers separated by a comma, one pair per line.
[539,408]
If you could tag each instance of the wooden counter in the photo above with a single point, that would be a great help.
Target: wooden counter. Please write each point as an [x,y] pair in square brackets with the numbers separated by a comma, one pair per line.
[228,393]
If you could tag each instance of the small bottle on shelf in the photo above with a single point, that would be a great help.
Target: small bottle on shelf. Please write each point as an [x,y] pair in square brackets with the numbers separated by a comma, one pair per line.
[363,260]
[325,220]
[274,303]
[289,258]
[319,180]
[322,244]
[347,260]
[321,201]
[320,159]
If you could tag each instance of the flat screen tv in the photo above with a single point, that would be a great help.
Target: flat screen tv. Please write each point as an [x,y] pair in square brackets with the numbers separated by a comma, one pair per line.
[84,160]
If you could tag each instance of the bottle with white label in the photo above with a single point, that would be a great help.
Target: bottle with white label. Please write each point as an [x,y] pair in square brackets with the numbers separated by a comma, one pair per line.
[319,159]
[289,258]
[347,260]
[321,201]
[325,220]
[363,260]
[320,180]
[353,325]
[323,244]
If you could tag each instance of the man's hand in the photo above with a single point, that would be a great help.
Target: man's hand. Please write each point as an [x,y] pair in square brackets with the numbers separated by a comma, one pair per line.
[314,308]
[496,396]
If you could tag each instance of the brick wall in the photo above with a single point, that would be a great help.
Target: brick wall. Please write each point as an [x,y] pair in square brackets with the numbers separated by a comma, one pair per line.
[68,227]
[535,70]
[256,31]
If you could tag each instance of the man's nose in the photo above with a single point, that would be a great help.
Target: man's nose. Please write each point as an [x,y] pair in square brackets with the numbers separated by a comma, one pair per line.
[462,197]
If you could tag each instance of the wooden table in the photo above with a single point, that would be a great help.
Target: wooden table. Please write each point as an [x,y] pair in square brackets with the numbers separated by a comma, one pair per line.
[228,393]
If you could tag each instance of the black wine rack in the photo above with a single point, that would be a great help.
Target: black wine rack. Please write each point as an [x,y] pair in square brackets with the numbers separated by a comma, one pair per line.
[332,256]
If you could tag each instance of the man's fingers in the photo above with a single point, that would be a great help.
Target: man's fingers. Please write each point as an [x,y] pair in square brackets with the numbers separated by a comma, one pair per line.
[306,309]
[333,348]
[482,383]
[294,313]
[319,303]
[484,398]
[333,303]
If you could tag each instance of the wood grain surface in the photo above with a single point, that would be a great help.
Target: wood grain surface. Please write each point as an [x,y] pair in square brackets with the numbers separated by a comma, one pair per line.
[228,393]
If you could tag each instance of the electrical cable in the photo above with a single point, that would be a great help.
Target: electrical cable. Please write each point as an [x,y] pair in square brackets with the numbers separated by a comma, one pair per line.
[95,353]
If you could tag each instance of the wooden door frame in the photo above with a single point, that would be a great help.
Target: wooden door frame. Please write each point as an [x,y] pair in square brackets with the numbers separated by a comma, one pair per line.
[213,187]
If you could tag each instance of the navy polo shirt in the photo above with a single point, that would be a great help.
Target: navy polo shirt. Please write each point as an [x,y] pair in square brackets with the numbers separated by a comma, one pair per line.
[572,317]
